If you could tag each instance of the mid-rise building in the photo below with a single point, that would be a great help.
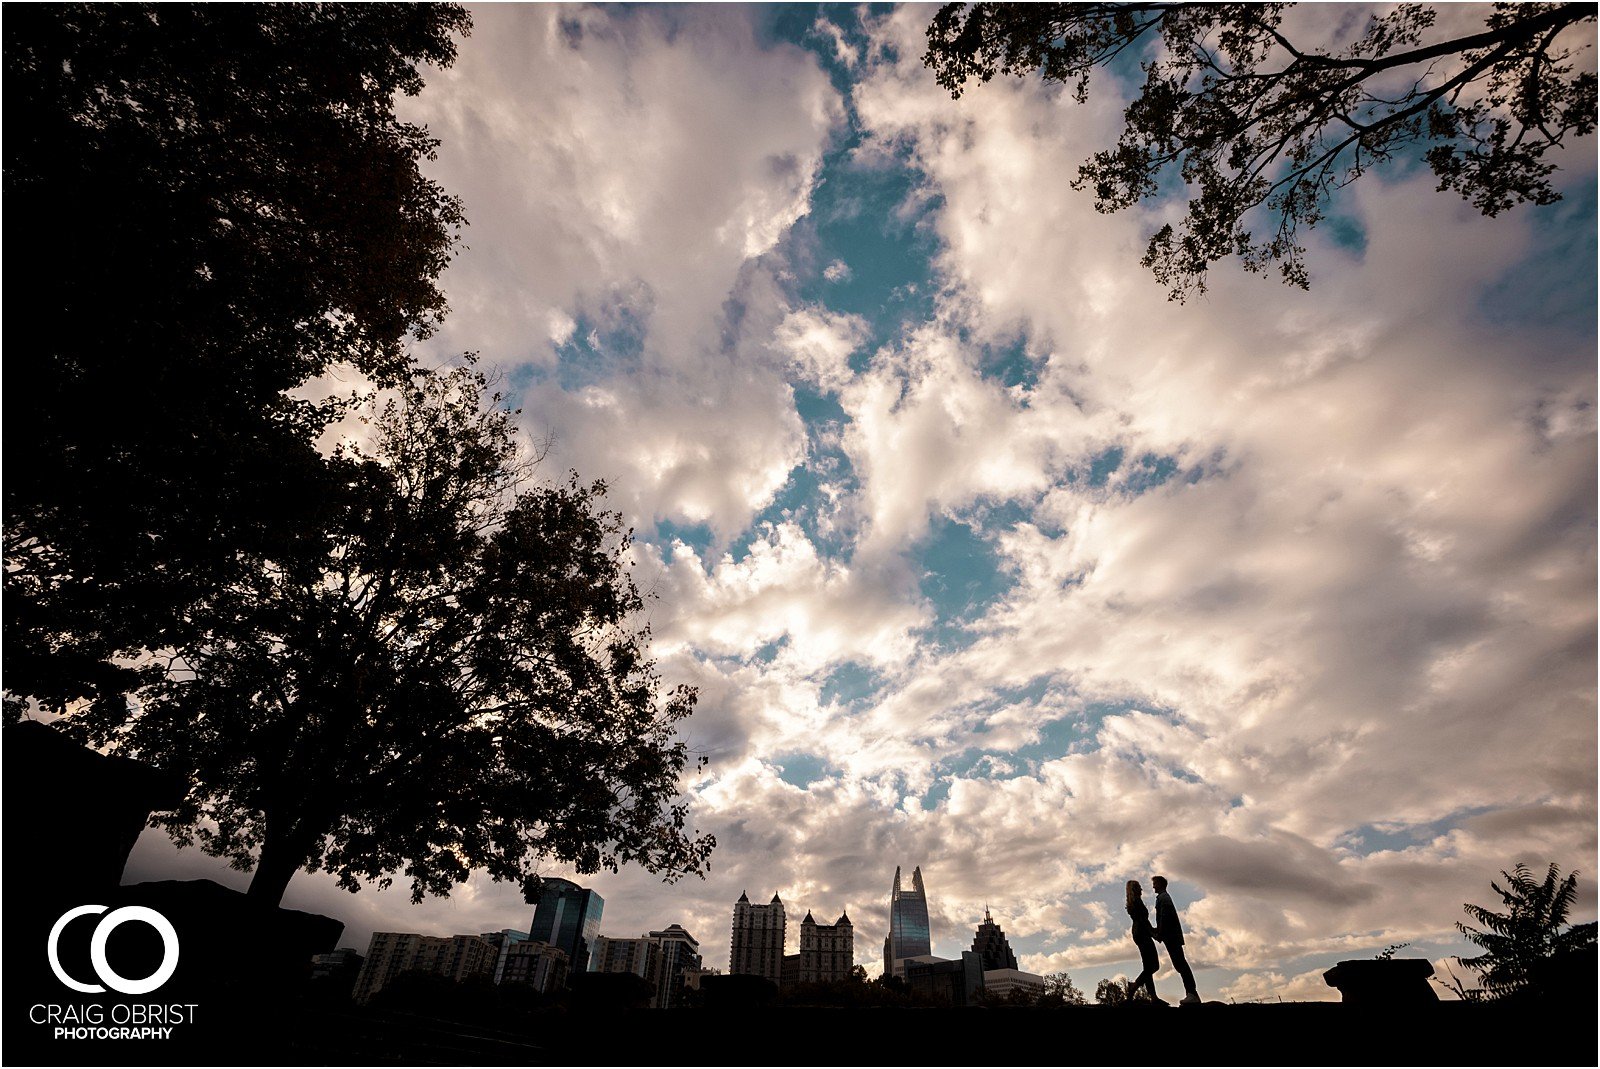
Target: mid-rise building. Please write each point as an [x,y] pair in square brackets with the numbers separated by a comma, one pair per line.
[337,970]
[909,934]
[535,963]
[952,983]
[989,943]
[1002,983]
[758,934]
[502,941]
[457,957]
[680,957]
[568,916]
[693,977]
[827,951]
[388,954]
[641,956]
[461,957]
[662,958]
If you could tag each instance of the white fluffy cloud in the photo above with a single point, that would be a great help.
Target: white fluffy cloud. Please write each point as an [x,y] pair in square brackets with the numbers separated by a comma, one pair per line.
[819,344]
[614,159]
[625,169]
[1320,645]
[1365,597]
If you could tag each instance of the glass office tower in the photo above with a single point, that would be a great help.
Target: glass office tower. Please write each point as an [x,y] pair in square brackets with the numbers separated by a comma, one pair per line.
[909,936]
[568,916]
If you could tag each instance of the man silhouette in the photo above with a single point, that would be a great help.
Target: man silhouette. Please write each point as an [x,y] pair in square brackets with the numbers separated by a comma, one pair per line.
[1170,934]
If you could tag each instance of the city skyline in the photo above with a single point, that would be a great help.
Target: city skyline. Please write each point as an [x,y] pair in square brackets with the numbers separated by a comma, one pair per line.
[984,555]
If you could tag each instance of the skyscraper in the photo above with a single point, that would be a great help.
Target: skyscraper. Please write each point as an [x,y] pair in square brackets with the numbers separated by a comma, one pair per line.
[989,943]
[568,916]
[758,933]
[909,936]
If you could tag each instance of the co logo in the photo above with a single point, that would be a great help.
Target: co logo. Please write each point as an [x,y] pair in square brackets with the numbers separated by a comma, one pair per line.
[97,949]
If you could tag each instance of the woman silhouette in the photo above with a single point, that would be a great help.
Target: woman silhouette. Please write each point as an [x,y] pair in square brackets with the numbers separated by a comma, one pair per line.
[1144,939]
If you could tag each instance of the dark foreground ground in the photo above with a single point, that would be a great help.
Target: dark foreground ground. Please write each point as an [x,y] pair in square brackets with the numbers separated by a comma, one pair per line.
[1448,1033]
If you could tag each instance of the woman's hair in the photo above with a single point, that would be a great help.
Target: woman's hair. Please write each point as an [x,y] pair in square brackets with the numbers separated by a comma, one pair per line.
[1133,892]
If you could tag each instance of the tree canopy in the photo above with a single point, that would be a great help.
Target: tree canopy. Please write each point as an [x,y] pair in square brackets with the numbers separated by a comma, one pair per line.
[207,205]
[441,676]
[1527,948]
[1060,990]
[395,657]
[1113,991]
[1255,124]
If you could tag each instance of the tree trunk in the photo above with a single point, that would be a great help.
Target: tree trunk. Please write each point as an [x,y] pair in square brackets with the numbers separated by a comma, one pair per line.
[280,860]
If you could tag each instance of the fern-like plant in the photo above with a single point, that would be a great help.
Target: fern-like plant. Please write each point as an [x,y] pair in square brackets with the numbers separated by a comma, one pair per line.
[1521,945]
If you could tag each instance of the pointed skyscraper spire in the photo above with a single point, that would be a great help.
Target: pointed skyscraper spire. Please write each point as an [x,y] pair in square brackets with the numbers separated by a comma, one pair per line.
[743,897]
[909,936]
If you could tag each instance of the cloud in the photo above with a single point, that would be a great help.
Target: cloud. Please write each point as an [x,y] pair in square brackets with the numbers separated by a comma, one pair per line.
[928,433]
[846,53]
[624,171]
[825,613]
[1278,866]
[1338,543]
[1275,987]
[603,153]
[819,343]
[1289,594]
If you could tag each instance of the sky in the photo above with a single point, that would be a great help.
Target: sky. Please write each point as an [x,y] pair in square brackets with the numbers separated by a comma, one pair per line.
[987,558]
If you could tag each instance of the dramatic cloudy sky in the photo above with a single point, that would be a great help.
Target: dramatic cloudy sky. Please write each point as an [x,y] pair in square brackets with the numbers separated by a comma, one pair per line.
[987,558]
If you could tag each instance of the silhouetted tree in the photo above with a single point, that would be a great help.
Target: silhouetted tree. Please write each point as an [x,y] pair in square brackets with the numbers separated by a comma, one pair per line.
[206,206]
[422,991]
[854,991]
[443,680]
[1249,119]
[609,992]
[1061,991]
[1114,992]
[1525,949]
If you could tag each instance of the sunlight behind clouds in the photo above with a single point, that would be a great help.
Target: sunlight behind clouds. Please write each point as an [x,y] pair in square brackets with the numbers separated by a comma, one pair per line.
[1289,594]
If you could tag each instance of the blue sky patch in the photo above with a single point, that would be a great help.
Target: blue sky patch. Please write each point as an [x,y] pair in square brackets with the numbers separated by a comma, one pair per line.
[696,536]
[1556,283]
[1104,465]
[1011,365]
[802,770]
[849,683]
[961,571]
[1373,838]
[1346,232]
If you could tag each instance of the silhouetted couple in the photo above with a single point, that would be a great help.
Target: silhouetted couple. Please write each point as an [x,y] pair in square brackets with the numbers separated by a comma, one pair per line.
[1168,931]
